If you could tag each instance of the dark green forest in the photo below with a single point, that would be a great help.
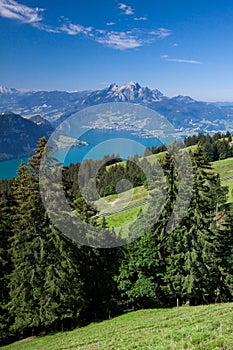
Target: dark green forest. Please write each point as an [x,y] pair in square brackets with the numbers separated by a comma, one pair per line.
[51,283]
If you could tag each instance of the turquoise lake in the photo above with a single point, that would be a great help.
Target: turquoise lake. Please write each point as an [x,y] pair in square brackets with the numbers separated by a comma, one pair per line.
[101,142]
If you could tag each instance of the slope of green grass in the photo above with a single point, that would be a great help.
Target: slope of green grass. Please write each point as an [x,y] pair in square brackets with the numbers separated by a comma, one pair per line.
[201,328]
[117,201]
[122,221]
[225,168]
[139,194]
[229,184]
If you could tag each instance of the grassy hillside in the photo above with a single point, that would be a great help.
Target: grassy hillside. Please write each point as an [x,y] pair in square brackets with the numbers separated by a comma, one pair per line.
[125,199]
[117,201]
[202,327]
[139,195]
[225,169]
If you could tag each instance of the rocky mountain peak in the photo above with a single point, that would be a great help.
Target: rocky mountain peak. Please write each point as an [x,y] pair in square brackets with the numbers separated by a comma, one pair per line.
[133,86]
[132,92]
[113,86]
[6,90]
[185,99]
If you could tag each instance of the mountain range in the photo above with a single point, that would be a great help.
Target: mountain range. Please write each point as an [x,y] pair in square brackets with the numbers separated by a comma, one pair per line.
[185,113]
[42,111]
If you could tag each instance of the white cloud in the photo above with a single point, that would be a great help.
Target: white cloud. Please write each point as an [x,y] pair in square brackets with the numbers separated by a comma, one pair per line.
[161,33]
[75,29]
[119,40]
[128,39]
[46,28]
[13,10]
[179,60]
[126,9]
[142,18]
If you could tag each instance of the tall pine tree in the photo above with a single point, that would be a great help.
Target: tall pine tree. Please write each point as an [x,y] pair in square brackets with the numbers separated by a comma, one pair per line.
[192,266]
[45,287]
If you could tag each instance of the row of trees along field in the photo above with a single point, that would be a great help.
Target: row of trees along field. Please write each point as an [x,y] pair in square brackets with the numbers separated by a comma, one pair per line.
[50,283]
[216,147]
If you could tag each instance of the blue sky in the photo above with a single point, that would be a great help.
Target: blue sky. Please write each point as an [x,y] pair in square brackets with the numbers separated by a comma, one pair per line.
[179,47]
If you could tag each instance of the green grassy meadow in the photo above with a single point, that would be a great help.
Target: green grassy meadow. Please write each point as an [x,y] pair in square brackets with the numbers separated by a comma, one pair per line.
[225,168]
[117,201]
[201,328]
[122,221]
[139,195]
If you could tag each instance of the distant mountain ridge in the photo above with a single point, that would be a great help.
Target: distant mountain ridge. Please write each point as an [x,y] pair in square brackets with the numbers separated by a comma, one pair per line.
[131,92]
[5,90]
[186,114]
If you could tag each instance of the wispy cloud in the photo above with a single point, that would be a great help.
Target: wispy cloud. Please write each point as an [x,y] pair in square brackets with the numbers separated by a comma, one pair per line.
[161,33]
[179,60]
[47,28]
[128,39]
[126,9]
[75,29]
[119,40]
[142,18]
[13,10]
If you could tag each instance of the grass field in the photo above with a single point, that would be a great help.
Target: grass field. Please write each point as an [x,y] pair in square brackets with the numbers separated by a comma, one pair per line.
[139,194]
[229,184]
[201,328]
[122,221]
[225,168]
[117,201]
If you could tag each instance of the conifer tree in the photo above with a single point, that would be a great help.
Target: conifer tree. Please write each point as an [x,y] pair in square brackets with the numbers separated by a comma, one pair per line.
[100,289]
[225,254]
[6,210]
[192,272]
[45,286]
[141,270]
